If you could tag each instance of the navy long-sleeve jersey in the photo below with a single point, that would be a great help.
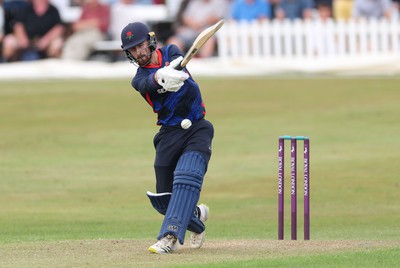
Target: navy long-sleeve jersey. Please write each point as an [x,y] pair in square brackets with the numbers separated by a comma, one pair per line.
[171,107]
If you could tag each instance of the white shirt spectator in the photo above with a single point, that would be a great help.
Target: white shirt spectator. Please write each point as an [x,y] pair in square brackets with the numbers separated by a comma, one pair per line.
[372,8]
[173,7]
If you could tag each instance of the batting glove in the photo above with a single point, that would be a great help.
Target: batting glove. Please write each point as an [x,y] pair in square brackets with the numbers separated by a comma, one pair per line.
[171,79]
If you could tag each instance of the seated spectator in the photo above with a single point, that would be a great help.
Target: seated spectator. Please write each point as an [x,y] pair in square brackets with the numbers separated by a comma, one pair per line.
[11,9]
[124,11]
[396,8]
[197,16]
[92,26]
[324,9]
[37,33]
[250,10]
[173,7]
[144,2]
[294,9]
[342,9]
[139,2]
[1,21]
[274,4]
[121,15]
[1,25]
[372,9]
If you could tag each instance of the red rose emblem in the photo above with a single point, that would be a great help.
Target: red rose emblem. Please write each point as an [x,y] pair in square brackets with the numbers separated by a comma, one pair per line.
[129,35]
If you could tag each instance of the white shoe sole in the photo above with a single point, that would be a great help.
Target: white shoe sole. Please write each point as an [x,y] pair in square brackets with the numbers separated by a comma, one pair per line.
[197,240]
[160,251]
[161,248]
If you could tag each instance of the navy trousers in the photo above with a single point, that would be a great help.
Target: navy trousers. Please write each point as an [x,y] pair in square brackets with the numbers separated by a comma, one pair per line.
[171,142]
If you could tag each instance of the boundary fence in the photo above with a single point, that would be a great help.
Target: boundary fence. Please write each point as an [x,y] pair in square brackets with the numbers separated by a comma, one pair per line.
[313,39]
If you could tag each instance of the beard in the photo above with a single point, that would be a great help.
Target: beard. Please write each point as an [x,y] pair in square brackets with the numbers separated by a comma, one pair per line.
[144,59]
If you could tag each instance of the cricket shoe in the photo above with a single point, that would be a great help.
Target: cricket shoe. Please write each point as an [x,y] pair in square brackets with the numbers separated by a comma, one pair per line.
[166,244]
[197,240]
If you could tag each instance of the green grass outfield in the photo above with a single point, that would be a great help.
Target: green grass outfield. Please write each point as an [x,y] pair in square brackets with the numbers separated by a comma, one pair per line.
[76,160]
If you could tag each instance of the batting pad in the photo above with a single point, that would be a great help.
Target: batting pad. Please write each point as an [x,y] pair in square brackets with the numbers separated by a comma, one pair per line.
[160,203]
[188,179]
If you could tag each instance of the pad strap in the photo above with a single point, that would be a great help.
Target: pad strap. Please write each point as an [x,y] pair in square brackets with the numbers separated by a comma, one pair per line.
[159,201]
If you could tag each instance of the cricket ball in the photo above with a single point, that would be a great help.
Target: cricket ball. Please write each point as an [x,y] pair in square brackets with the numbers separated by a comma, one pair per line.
[186,123]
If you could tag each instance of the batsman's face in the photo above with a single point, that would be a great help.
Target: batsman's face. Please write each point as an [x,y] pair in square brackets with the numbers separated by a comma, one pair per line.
[141,53]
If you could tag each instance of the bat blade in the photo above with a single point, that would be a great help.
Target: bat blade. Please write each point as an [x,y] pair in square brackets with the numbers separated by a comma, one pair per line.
[201,39]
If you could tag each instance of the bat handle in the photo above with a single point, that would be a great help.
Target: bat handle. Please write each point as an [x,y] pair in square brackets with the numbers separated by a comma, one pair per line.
[179,67]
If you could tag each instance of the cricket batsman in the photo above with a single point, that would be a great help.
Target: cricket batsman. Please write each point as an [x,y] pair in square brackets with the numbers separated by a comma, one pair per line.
[183,142]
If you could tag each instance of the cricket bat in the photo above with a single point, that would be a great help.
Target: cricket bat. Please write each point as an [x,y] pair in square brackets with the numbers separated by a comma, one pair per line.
[199,42]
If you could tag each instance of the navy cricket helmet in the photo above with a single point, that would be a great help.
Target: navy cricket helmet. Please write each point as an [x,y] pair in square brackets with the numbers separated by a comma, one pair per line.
[134,34]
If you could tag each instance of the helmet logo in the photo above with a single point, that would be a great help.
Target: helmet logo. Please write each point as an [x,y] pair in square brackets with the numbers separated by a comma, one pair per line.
[129,35]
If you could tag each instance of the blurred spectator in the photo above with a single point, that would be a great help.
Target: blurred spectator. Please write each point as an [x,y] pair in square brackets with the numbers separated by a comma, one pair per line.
[342,9]
[11,10]
[274,4]
[139,2]
[173,6]
[179,11]
[1,25]
[92,26]
[324,9]
[294,9]
[229,8]
[198,15]
[396,9]
[372,9]
[1,21]
[37,33]
[120,17]
[317,2]
[249,10]
[69,9]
